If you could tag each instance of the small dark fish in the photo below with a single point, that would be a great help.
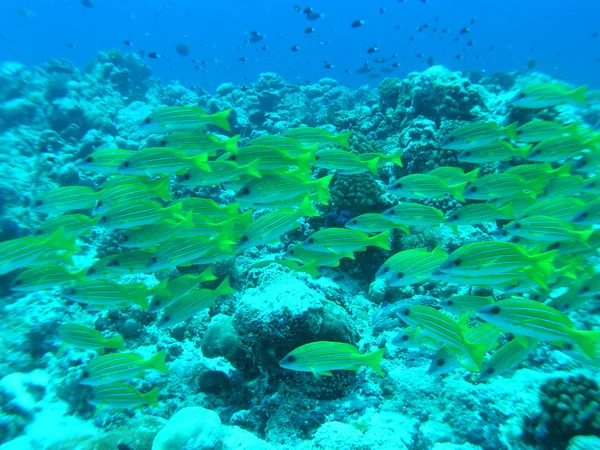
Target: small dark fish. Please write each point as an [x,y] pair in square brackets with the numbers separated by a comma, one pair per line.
[531,64]
[419,29]
[411,38]
[153,55]
[419,55]
[328,65]
[459,56]
[372,50]
[182,49]
[381,10]
[595,34]
[364,69]
[297,8]
[357,23]
[87,3]
[255,36]
[464,30]
[122,446]
[430,61]
[471,43]
[311,14]
[70,45]
[294,48]
[395,64]
[127,43]
[473,20]
[243,58]
[347,71]
[309,30]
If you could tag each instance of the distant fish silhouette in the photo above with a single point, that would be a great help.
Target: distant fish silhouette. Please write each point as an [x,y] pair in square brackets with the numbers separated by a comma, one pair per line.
[87,3]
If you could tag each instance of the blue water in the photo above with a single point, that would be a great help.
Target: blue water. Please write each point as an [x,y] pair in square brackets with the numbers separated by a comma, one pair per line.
[557,35]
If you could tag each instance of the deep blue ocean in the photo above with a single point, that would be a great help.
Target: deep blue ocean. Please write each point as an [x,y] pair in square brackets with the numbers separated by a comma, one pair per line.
[556,37]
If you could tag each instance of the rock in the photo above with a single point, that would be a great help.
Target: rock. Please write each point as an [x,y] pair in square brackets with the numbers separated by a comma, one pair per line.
[190,428]
[584,443]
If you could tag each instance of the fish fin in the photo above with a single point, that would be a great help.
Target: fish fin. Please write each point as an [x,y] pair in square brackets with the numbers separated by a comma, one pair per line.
[307,209]
[175,209]
[322,187]
[200,163]
[381,240]
[563,171]
[141,300]
[151,397]
[457,190]
[587,340]
[232,209]
[224,288]
[187,222]
[507,210]
[373,360]
[532,274]
[371,165]
[543,261]
[583,236]
[523,340]
[221,119]
[318,375]
[511,131]
[61,350]
[403,228]
[252,168]
[231,144]
[157,362]
[303,161]
[310,268]
[343,139]
[162,189]
[115,342]
[578,95]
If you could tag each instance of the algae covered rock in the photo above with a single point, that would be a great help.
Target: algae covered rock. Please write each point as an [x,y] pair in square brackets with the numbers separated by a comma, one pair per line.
[190,428]
[282,313]
[221,339]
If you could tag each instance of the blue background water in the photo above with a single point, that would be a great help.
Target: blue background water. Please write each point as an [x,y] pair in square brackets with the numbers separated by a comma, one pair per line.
[557,34]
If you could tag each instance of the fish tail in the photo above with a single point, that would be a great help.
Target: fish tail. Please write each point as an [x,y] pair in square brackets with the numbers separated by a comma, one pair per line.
[224,288]
[303,162]
[457,190]
[371,165]
[578,95]
[544,260]
[59,241]
[507,210]
[141,300]
[396,159]
[157,362]
[160,289]
[587,340]
[187,221]
[175,210]
[162,189]
[246,218]
[381,240]
[373,360]
[476,353]
[310,268]
[563,171]
[232,210]
[151,397]
[221,119]
[207,275]
[511,131]
[201,163]
[522,152]
[115,342]
[231,144]
[322,187]
[252,168]
[536,276]
[583,236]
[307,209]
[472,175]
[343,139]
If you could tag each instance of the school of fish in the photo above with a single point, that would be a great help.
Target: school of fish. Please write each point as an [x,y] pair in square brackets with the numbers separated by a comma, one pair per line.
[538,262]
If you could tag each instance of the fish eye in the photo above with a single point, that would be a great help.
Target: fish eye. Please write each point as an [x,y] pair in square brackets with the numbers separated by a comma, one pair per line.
[38,232]
[495,310]
[521,95]
[39,203]
[245,191]
[157,302]
[187,176]
[405,337]
[400,275]
[291,358]
[451,138]
[490,370]
[72,291]
[244,239]
[104,219]
[18,282]
[457,262]
[406,312]
[91,271]
[568,346]
[468,153]
[317,157]
[85,374]
[386,269]
[517,226]
[519,132]
[440,362]
[311,241]
[115,263]
[392,212]
[450,302]
[291,252]
[163,143]
[126,164]
[99,204]
[125,238]
[147,120]
[591,185]
[233,158]
[473,188]
[399,185]
[554,246]
[154,260]
[583,215]
[89,159]
[354,222]
[165,319]
[585,289]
